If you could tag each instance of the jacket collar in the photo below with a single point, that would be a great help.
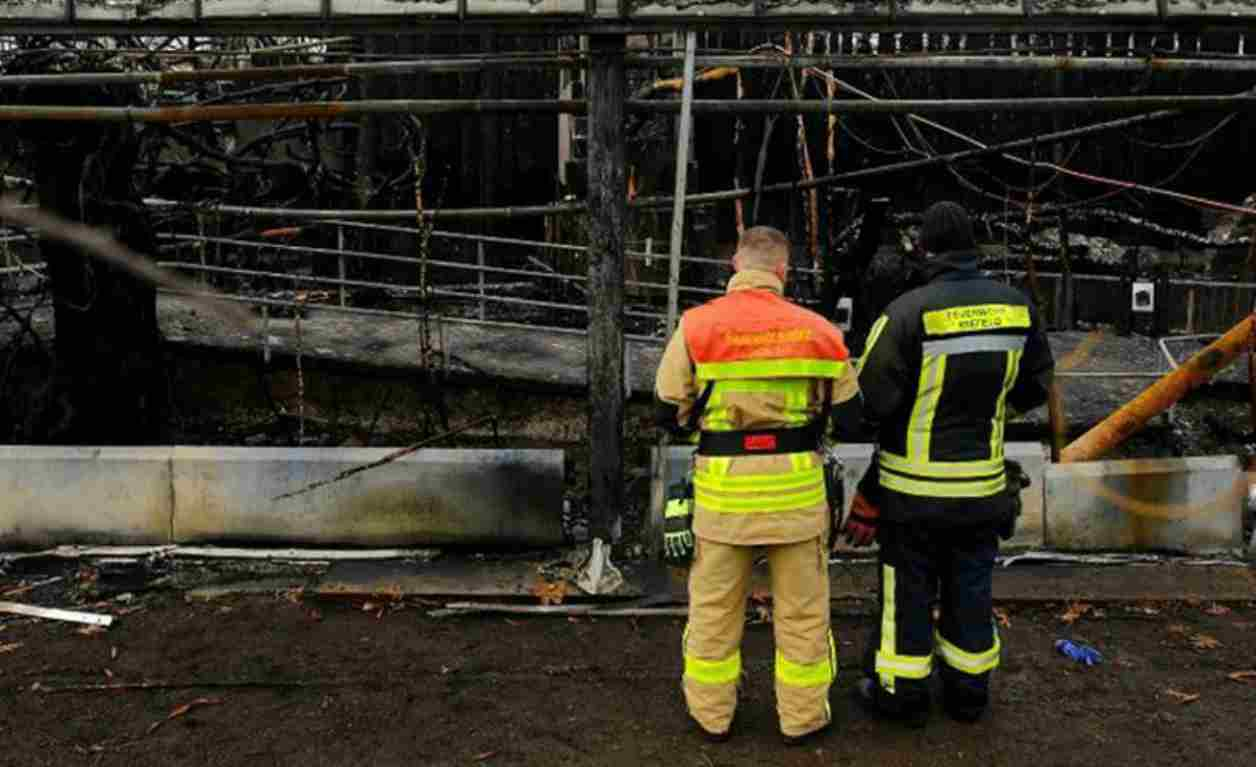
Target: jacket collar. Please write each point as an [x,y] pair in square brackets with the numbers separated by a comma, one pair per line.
[754,279]
[956,265]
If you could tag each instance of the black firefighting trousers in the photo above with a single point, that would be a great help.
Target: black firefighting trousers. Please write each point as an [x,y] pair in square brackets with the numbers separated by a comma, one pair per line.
[919,563]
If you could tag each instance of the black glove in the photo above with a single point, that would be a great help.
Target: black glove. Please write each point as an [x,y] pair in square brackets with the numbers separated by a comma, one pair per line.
[678,540]
[1017,480]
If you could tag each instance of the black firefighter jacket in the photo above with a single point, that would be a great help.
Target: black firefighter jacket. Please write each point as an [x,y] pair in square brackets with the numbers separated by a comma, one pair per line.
[940,369]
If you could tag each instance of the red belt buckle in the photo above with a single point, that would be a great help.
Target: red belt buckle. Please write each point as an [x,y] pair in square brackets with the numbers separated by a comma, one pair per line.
[759,442]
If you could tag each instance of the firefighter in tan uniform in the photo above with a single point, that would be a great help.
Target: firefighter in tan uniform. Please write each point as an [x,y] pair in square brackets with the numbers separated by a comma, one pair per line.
[757,377]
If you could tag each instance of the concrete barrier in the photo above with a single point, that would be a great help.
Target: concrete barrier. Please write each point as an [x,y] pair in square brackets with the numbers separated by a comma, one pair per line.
[60,495]
[53,495]
[855,459]
[1188,505]
[430,497]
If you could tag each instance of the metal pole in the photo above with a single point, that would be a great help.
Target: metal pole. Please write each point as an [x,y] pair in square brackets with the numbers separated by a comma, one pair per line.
[654,528]
[340,259]
[479,261]
[682,177]
[322,110]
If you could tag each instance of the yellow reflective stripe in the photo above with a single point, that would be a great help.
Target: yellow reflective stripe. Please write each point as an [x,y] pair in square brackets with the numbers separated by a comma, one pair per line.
[796,395]
[805,674]
[715,417]
[904,666]
[999,422]
[974,489]
[760,504]
[929,390]
[804,461]
[751,483]
[958,469]
[873,336]
[782,368]
[969,319]
[969,662]
[889,625]
[726,671]
[676,508]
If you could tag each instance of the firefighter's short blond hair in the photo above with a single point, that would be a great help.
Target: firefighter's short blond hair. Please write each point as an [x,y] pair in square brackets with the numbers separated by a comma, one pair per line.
[762,247]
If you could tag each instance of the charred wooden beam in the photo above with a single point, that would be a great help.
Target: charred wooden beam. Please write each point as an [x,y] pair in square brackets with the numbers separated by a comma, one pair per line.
[608,212]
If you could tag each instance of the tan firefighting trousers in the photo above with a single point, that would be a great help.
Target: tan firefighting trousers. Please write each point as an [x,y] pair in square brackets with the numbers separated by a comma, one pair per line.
[806,661]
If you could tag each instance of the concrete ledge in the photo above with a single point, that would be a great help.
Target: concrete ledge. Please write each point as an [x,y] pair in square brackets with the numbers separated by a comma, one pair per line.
[855,459]
[1189,505]
[161,495]
[52,495]
[430,497]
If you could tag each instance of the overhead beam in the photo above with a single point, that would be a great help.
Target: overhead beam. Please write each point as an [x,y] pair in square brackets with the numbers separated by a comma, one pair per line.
[316,110]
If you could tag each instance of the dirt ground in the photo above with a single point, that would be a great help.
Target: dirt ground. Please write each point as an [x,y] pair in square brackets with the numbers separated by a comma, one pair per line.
[276,680]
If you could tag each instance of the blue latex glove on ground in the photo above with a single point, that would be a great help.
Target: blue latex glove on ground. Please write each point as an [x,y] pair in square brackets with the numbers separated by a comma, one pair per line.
[1079,652]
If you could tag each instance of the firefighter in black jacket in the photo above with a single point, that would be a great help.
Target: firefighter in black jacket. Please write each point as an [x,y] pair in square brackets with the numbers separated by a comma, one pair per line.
[939,371]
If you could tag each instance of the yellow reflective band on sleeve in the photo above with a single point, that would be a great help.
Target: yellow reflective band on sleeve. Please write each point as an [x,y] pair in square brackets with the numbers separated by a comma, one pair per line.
[999,422]
[919,430]
[873,335]
[761,504]
[941,469]
[726,671]
[969,319]
[969,662]
[676,508]
[759,483]
[937,489]
[782,368]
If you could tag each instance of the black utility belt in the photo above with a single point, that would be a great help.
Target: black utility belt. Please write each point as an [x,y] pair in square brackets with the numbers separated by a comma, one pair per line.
[767,442]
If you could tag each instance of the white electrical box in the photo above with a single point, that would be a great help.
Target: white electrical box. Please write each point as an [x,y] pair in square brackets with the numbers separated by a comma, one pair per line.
[1143,297]
[845,313]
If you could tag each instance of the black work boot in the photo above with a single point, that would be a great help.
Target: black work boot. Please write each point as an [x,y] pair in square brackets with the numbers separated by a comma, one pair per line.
[711,737]
[868,694]
[806,737]
[963,705]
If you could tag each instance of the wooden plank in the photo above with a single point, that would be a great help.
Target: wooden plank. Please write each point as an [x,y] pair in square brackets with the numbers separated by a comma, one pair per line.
[523,7]
[608,210]
[33,9]
[872,10]
[51,613]
[260,8]
[1147,9]
[393,7]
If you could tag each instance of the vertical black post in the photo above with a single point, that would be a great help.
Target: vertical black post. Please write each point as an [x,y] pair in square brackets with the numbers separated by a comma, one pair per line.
[608,208]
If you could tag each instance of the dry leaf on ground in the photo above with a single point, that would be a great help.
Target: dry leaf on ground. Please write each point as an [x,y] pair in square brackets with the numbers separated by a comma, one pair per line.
[761,596]
[483,756]
[1243,676]
[1216,609]
[1204,642]
[1182,697]
[550,592]
[1075,611]
[1177,628]
[91,630]
[1001,616]
[6,648]
[183,709]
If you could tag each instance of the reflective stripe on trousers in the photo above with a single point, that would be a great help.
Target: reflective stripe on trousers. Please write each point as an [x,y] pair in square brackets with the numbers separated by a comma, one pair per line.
[891,666]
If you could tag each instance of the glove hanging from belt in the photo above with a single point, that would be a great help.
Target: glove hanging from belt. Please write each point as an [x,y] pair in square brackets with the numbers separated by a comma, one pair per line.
[1017,480]
[678,541]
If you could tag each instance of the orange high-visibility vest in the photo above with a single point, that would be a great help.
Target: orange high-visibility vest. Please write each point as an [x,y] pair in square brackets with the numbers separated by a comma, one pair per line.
[751,334]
